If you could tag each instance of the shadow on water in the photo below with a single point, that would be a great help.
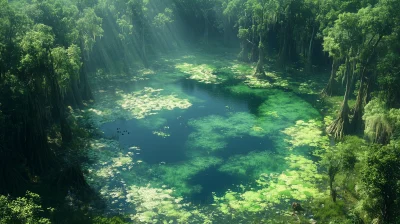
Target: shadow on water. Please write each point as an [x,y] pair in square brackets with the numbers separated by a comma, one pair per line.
[244,145]
[211,180]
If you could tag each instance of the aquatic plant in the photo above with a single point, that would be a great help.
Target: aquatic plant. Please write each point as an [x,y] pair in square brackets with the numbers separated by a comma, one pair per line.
[253,164]
[139,104]
[176,176]
[298,182]
[148,100]
[212,132]
[306,134]
[157,205]
[202,73]
[288,107]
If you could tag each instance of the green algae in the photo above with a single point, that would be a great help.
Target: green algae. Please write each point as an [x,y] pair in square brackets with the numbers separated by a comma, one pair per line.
[211,133]
[202,73]
[176,176]
[149,100]
[139,104]
[298,182]
[253,164]
[306,134]
[157,205]
[288,107]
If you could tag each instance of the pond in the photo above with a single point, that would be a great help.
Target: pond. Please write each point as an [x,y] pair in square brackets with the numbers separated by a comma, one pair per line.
[177,149]
[171,144]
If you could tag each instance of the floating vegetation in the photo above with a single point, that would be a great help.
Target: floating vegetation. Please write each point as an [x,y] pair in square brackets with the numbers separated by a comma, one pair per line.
[161,134]
[256,82]
[157,205]
[139,104]
[149,100]
[298,182]
[306,134]
[176,176]
[202,73]
[212,132]
[253,164]
[283,109]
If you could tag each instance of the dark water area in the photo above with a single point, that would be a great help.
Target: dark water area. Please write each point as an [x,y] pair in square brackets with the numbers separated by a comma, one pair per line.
[154,149]
[211,180]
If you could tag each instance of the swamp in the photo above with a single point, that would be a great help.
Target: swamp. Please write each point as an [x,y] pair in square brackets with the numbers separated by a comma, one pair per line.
[199,111]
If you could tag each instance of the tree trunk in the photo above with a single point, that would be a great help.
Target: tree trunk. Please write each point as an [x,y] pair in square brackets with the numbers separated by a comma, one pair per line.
[309,54]
[331,173]
[260,64]
[84,83]
[284,54]
[76,93]
[205,15]
[144,53]
[340,126]
[226,31]
[332,86]
[37,150]
[244,52]
[357,122]
[86,91]
[58,108]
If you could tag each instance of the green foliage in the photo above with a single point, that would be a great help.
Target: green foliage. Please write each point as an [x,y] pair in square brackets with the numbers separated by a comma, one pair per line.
[35,46]
[325,210]
[25,209]
[89,26]
[113,220]
[66,63]
[380,186]
[380,122]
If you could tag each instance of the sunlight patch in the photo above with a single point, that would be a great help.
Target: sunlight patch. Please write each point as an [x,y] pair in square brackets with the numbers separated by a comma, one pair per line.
[157,205]
[139,104]
[202,73]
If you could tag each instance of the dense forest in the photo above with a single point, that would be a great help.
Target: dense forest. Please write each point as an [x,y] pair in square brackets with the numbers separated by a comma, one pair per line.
[316,83]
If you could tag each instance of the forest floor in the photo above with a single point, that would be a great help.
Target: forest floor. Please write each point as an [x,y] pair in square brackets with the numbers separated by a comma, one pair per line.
[289,114]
